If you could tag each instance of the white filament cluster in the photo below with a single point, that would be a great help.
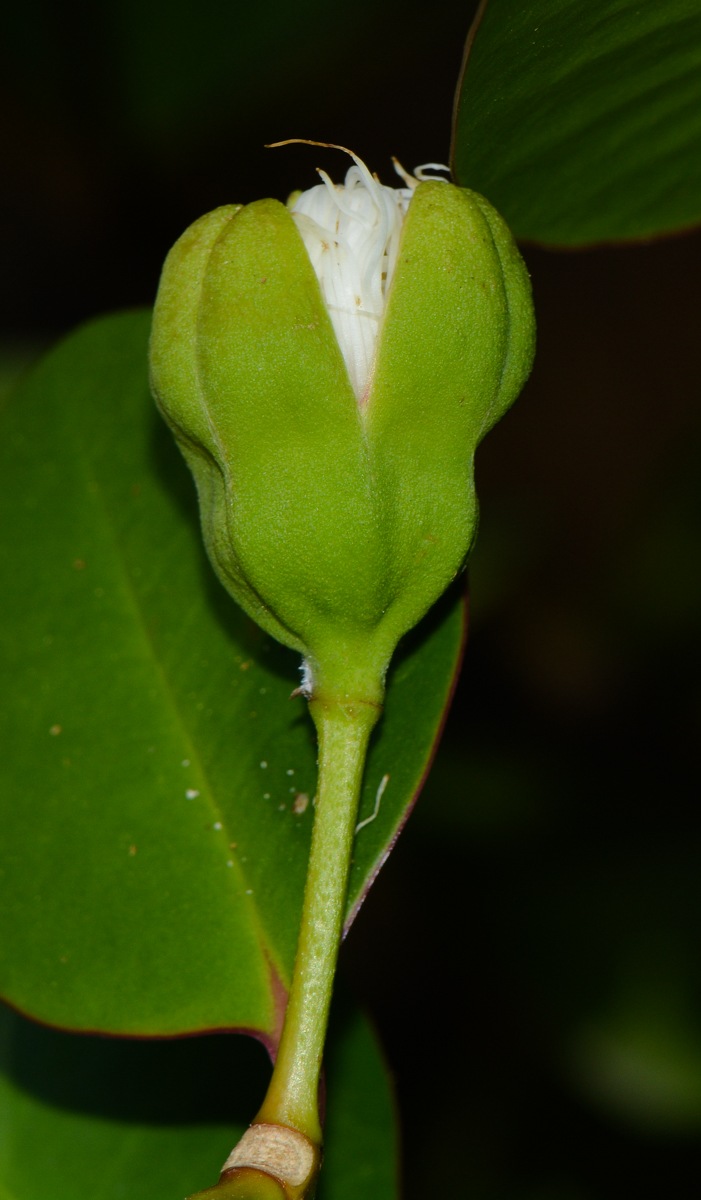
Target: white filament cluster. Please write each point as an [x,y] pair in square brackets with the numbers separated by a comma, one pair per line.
[352,233]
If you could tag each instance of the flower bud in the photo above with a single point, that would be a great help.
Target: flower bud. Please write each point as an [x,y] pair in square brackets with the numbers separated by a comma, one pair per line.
[328,372]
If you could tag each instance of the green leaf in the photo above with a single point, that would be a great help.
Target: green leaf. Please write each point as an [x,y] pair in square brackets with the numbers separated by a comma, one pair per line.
[360,1135]
[105,1118]
[582,122]
[156,778]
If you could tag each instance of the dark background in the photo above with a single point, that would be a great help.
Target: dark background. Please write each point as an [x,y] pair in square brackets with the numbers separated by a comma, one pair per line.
[530,952]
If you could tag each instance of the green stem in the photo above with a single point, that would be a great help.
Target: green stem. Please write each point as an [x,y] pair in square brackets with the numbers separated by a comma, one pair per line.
[292,1098]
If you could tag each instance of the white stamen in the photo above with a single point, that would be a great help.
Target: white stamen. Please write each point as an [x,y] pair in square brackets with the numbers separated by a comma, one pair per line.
[420,172]
[408,179]
[352,233]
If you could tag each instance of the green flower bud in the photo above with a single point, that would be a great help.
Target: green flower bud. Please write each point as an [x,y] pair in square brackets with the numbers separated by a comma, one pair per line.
[328,371]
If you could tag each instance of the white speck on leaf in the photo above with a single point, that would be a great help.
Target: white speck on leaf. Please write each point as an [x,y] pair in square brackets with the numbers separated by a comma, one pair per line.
[191,794]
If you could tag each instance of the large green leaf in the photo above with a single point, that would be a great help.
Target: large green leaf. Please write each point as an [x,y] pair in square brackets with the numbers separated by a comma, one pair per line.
[106,1119]
[360,1134]
[153,768]
[582,122]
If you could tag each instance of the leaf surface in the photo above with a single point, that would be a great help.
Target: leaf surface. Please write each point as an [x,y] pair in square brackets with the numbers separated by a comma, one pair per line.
[581,122]
[105,1118]
[156,780]
[360,1131]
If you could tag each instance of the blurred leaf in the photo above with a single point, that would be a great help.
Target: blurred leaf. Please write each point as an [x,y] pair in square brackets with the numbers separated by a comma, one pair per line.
[168,71]
[665,546]
[113,1118]
[483,793]
[156,779]
[636,1048]
[609,941]
[582,122]
[645,1071]
[16,357]
[181,61]
[360,1135]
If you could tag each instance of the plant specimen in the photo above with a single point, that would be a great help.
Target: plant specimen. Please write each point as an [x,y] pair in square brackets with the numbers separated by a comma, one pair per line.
[159,886]
[330,415]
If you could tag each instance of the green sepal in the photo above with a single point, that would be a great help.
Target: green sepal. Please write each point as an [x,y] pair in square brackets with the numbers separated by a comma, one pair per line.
[337,524]
[271,430]
[455,350]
